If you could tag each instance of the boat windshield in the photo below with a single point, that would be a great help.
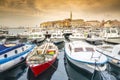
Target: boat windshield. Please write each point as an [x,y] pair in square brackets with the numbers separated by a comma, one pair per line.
[90,49]
[78,49]
[107,30]
[113,31]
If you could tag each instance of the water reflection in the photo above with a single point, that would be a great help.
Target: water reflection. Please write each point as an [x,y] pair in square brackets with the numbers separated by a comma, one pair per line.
[14,73]
[115,70]
[45,75]
[73,72]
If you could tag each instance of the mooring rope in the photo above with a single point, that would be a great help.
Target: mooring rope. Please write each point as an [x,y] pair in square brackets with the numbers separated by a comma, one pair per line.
[96,66]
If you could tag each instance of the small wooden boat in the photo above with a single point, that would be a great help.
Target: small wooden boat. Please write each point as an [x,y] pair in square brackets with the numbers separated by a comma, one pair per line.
[42,58]
[12,54]
[85,57]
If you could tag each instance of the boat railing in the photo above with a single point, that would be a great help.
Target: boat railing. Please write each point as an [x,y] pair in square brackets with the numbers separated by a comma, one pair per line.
[106,48]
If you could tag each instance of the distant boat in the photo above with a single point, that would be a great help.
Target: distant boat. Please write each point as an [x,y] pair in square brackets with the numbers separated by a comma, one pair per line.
[3,33]
[42,58]
[11,54]
[57,37]
[113,54]
[24,35]
[85,57]
[111,35]
[94,38]
[113,41]
[77,36]
[36,35]
[32,36]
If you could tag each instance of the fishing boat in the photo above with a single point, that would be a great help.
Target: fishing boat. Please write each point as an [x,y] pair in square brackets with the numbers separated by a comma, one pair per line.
[11,54]
[42,58]
[85,57]
[113,54]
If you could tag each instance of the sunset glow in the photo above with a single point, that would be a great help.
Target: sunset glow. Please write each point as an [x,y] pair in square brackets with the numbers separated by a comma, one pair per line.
[33,12]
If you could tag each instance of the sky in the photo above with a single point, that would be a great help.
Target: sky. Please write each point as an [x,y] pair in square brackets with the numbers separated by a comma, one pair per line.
[15,13]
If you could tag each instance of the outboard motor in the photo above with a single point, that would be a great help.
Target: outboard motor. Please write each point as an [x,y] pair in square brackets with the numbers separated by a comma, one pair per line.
[47,35]
[66,35]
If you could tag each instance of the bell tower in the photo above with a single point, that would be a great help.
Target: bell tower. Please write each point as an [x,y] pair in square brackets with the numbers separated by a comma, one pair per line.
[71,15]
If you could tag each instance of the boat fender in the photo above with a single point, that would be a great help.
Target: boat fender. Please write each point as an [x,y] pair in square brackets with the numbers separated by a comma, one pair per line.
[115,61]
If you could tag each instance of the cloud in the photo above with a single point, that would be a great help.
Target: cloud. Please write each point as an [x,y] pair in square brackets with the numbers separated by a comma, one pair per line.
[59,9]
[41,6]
[19,6]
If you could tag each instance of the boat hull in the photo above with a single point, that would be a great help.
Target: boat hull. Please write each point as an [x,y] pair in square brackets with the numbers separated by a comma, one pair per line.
[87,67]
[113,41]
[10,62]
[38,69]
[94,41]
[82,66]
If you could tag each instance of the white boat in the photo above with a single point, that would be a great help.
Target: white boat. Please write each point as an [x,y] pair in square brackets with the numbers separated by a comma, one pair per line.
[111,35]
[24,34]
[94,38]
[77,36]
[36,35]
[33,34]
[11,54]
[57,37]
[112,52]
[85,56]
